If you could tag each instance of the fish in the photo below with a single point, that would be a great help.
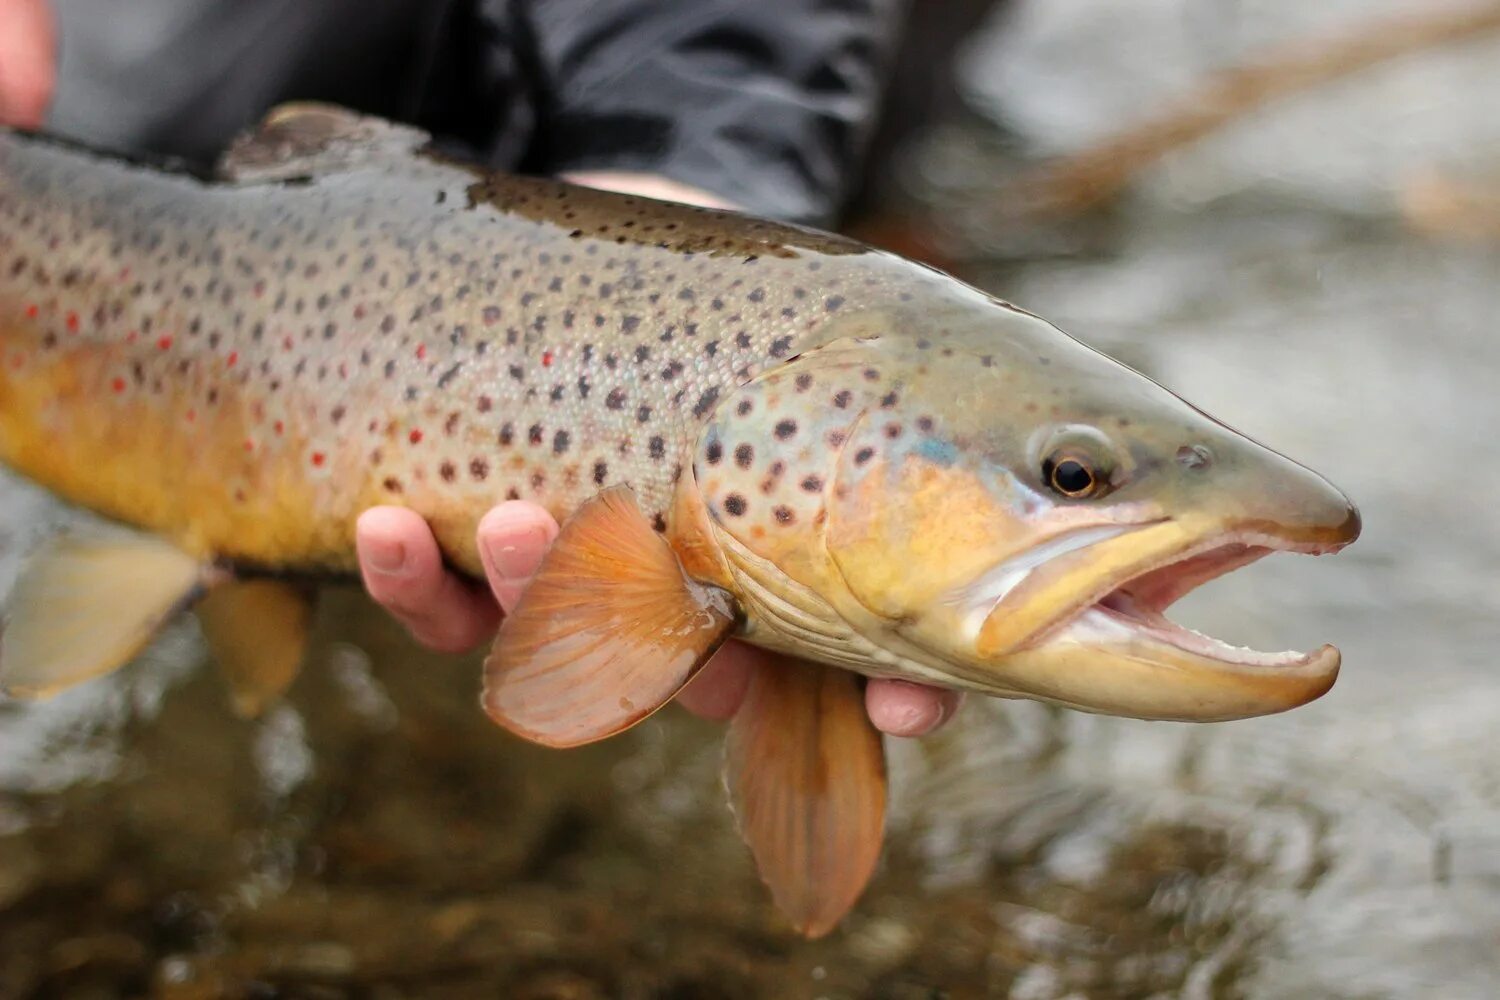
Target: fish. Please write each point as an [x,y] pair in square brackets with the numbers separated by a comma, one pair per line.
[746,429]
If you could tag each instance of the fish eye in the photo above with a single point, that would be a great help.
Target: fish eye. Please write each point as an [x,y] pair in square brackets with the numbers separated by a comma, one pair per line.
[1072,475]
[1078,462]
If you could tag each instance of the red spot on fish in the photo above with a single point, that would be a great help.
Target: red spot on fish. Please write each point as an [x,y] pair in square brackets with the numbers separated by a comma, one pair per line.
[73,322]
[16,360]
[117,384]
[124,274]
[286,343]
[232,360]
[421,351]
[359,311]
[32,311]
[415,436]
[164,341]
[259,289]
[249,444]
[192,415]
[343,370]
[546,359]
[317,458]
[132,336]
[279,426]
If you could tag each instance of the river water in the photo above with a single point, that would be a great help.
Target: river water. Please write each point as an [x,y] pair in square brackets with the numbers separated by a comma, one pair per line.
[375,836]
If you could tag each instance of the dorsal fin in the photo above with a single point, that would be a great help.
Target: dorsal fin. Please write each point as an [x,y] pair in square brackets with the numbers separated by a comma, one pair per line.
[307,139]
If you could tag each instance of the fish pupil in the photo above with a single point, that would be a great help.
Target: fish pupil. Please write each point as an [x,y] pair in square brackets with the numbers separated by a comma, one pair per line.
[1071,477]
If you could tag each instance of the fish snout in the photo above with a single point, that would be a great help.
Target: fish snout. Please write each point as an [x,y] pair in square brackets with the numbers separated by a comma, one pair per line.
[1300,507]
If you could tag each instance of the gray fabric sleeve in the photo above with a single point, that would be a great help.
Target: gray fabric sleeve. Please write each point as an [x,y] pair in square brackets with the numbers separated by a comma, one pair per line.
[764,102]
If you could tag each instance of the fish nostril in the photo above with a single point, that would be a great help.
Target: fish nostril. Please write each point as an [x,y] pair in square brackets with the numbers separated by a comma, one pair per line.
[1195,456]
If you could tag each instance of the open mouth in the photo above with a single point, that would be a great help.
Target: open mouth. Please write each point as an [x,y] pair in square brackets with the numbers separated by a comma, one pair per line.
[1110,586]
[1078,619]
[1137,606]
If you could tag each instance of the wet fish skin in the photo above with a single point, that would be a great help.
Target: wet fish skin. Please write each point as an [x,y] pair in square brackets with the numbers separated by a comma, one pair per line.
[839,438]
[746,429]
[400,330]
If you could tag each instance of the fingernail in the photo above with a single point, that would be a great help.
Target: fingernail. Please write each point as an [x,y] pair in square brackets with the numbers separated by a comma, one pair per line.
[513,561]
[384,555]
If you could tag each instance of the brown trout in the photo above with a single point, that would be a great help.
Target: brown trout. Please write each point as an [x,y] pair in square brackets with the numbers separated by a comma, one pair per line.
[747,429]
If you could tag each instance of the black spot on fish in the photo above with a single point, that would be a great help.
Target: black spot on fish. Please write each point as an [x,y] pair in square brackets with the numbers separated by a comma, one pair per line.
[785,429]
[705,403]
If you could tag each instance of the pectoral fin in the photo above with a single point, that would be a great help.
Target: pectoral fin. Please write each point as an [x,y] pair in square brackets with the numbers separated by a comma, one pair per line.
[606,633]
[257,632]
[85,606]
[806,776]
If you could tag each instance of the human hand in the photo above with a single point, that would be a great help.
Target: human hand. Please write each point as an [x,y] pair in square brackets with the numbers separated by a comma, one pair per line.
[404,572]
[28,61]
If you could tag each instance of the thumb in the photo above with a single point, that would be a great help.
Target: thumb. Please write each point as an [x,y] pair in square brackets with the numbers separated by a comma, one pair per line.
[28,61]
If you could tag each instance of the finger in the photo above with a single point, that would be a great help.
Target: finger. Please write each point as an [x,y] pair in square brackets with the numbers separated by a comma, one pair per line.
[28,61]
[647,185]
[902,708]
[716,692]
[513,537]
[403,570]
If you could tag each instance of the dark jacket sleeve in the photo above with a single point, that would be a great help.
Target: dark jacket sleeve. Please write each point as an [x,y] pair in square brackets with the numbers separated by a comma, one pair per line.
[764,102]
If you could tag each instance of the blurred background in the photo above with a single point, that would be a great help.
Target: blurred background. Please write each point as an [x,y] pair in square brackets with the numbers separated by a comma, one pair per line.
[1287,211]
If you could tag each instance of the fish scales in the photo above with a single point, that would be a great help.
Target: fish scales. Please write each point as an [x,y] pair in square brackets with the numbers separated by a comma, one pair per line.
[419,334]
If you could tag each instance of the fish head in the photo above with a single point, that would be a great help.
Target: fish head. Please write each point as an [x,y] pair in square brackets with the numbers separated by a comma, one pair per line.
[969,497]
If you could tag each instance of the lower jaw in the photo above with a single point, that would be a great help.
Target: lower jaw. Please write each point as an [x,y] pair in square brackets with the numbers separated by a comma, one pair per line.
[1122,615]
